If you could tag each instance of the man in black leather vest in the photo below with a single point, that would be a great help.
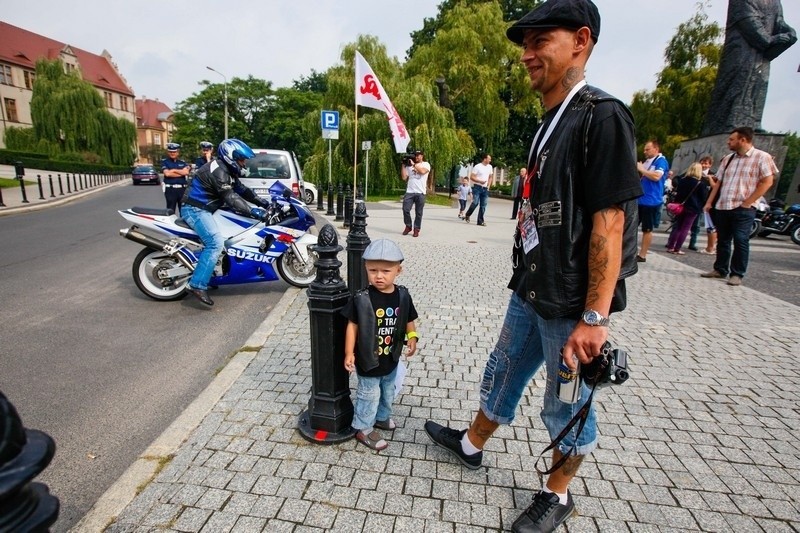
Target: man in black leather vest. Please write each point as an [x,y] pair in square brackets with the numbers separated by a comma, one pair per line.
[574,247]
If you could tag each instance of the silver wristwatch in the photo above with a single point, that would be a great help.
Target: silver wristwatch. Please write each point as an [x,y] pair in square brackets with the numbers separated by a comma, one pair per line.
[593,318]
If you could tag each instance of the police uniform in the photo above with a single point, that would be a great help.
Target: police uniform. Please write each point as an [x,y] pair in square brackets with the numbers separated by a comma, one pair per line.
[173,187]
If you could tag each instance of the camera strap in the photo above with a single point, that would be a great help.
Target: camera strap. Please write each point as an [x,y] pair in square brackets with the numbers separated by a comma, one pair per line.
[580,419]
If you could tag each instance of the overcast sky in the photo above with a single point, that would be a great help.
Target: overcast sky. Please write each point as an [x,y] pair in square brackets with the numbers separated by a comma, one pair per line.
[163,48]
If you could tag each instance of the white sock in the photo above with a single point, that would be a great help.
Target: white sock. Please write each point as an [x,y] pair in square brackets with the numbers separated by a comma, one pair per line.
[466,446]
[562,498]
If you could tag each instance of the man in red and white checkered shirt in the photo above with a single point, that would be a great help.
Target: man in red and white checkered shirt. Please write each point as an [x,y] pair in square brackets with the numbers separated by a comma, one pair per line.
[743,177]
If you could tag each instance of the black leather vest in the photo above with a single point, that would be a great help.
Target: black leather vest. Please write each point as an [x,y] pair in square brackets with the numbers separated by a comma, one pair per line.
[367,341]
[556,274]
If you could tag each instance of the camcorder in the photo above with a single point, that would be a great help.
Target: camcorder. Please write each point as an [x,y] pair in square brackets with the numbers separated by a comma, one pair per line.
[609,368]
[409,159]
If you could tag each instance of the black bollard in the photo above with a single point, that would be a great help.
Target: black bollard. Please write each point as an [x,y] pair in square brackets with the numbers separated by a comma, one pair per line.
[348,207]
[74,183]
[24,453]
[330,211]
[340,202]
[39,183]
[357,242]
[330,410]
[61,186]
[1,198]
[52,191]
[80,181]
[320,193]
[19,170]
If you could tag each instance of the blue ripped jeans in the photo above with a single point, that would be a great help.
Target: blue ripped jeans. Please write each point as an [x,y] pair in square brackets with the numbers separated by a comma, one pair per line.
[526,342]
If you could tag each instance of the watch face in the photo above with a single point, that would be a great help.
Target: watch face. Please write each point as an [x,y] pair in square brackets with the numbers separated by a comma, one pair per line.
[592,317]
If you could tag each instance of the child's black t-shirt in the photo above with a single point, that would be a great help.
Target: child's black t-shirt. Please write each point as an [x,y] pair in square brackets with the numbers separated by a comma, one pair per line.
[387,308]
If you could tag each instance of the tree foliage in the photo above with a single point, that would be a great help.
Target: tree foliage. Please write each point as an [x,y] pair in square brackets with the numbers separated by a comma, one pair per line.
[431,127]
[675,110]
[792,143]
[70,117]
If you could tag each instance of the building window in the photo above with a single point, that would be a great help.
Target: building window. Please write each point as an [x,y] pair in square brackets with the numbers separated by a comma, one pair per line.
[5,75]
[11,110]
[123,102]
[157,139]
[108,96]
[69,67]
[30,77]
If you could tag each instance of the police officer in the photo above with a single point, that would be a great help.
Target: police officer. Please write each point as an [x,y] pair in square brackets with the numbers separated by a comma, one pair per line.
[175,171]
[206,149]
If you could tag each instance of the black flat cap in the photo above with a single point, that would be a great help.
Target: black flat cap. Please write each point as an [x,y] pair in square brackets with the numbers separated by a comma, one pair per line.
[572,14]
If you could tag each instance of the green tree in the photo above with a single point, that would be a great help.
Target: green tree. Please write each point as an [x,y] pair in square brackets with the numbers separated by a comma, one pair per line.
[792,142]
[202,116]
[70,116]
[431,127]
[278,127]
[675,110]
[482,70]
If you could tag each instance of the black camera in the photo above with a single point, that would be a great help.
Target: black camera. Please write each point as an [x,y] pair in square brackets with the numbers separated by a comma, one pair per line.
[409,159]
[608,368]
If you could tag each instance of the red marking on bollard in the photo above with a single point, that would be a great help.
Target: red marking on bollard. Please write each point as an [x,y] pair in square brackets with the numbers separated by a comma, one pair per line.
[321,434]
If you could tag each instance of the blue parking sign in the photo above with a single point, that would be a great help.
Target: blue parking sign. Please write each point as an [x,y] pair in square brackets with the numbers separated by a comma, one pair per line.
[330,120]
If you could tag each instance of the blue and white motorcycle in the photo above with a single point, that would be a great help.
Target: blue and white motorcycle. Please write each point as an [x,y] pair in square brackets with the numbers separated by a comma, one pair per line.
[254,251]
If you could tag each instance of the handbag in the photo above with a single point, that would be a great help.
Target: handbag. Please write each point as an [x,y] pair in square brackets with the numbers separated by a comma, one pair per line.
[675,208]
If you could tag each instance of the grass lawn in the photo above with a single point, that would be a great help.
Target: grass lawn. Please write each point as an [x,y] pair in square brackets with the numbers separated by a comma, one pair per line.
[6,183]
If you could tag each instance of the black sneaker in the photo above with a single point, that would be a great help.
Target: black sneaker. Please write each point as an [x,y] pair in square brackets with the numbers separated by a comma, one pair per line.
[544,514]
[450,440]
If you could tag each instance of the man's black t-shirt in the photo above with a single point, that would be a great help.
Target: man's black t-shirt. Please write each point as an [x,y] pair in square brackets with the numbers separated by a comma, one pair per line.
[387,309]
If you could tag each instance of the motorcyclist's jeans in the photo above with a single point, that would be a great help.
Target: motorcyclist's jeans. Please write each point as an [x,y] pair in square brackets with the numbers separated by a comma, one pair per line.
[205,225]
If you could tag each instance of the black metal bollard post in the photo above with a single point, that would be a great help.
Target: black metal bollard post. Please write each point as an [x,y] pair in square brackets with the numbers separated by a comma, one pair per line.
[357,242]
[61,186]
[80,180]
[348,207]
[1,198]
[52,191]
[340,202]
[69,189]
[19,170]
[330,410]
[39,183]
[24,453]
[320,194]
[330,211]
[74,182]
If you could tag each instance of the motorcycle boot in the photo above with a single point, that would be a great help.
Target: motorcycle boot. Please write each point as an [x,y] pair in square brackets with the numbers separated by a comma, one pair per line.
[201,295]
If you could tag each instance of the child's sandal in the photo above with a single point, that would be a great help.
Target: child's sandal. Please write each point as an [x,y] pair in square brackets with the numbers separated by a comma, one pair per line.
[373,441]
[387,425]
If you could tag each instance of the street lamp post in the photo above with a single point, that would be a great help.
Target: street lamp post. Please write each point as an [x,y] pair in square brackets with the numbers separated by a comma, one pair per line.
[226,97]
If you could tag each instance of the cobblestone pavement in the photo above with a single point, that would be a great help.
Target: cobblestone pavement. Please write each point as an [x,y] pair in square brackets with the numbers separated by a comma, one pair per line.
[703,437]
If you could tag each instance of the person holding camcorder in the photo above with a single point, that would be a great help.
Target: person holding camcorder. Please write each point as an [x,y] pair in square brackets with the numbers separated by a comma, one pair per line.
[415,172]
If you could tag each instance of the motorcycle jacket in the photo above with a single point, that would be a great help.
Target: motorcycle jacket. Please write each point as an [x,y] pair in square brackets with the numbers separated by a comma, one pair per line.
[213,186]
[367,342]
[587,164]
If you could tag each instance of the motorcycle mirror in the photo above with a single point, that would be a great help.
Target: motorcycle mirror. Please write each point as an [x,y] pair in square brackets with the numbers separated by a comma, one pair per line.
[286,194]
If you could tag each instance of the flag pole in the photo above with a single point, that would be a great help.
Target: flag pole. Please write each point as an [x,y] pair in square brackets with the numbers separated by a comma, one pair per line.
[355,152]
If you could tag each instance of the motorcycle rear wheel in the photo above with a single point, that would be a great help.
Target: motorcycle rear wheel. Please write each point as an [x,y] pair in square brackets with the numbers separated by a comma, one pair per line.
[756,229]
[149,270]
[294,272]
[795,234]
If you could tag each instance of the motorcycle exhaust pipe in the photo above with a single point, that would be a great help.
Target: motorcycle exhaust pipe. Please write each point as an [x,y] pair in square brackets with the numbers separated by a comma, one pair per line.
[137,236]
[156,244]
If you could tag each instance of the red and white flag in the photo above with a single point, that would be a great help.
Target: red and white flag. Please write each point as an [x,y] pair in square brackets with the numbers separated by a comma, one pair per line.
[370,93]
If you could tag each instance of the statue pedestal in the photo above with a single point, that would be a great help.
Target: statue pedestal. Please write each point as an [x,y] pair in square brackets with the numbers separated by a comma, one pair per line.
[717,146]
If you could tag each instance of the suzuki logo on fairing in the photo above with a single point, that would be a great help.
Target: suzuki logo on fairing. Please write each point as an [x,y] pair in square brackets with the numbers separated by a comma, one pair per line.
[249,256]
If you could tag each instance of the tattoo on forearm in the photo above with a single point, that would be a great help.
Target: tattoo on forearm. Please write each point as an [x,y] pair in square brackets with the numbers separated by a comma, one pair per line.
[571,77]
[599,252]
[571,465]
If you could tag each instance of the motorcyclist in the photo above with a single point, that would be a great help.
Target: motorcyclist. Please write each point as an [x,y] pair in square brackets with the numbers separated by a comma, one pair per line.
[217,184]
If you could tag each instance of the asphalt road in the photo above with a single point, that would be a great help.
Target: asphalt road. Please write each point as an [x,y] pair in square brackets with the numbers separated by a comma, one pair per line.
[774,266]
[87,358]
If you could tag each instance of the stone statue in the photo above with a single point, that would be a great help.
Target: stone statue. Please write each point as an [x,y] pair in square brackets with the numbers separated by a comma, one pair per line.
[755,34]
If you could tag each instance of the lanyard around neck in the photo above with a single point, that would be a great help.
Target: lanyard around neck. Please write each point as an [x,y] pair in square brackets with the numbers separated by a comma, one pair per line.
[555,120]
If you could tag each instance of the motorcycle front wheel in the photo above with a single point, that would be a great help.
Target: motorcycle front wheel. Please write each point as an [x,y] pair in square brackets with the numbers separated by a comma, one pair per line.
[154,275]
[795,234]
[294,272]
